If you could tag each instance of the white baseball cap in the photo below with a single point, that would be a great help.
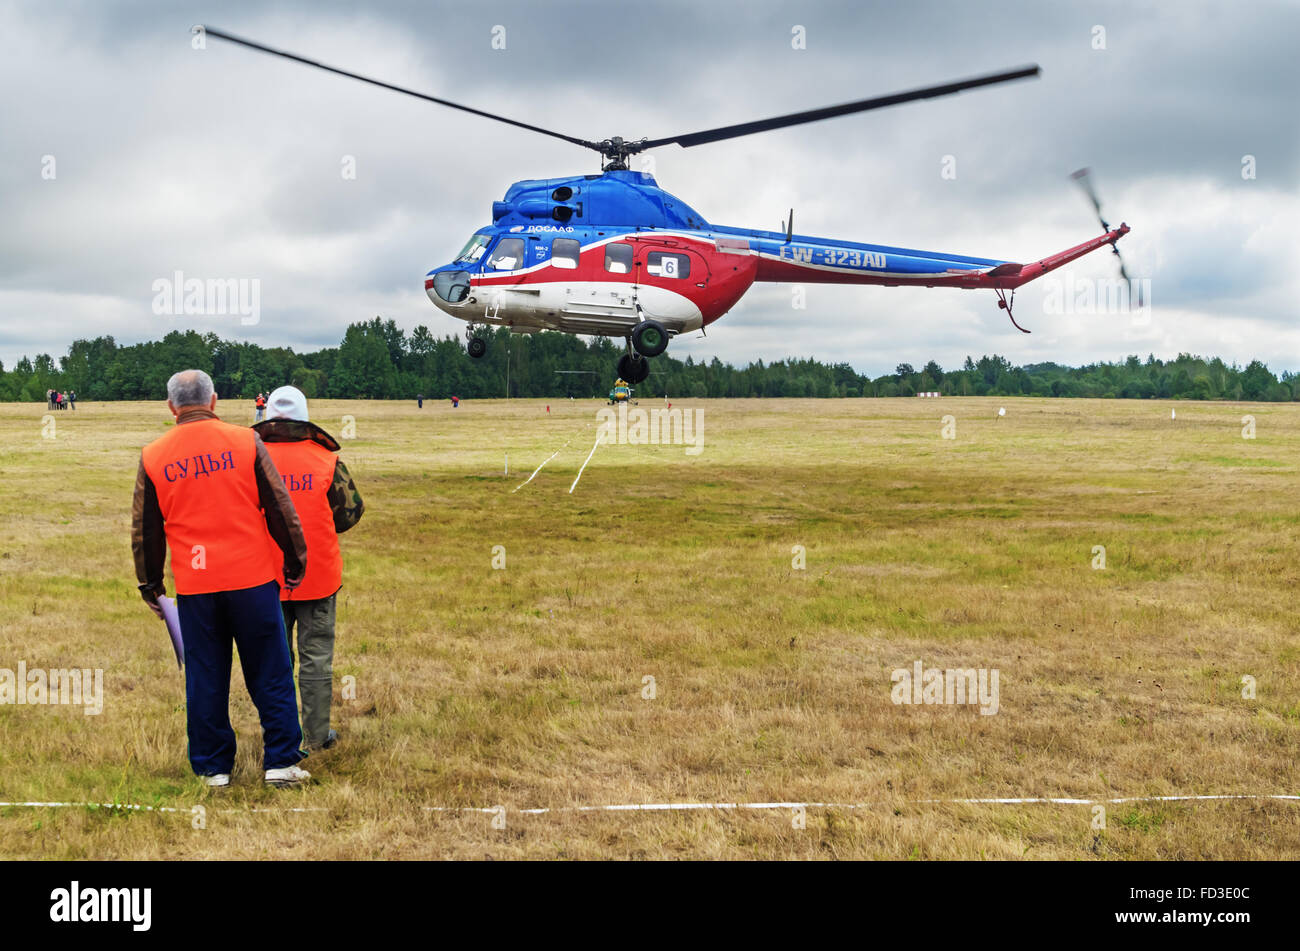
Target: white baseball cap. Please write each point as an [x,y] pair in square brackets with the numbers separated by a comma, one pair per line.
[287,402]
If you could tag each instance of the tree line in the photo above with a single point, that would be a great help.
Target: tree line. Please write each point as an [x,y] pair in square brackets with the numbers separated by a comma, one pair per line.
[377,360]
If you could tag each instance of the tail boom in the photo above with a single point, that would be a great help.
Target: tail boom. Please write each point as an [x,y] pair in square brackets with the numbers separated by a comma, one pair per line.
[802,259]
[1009,277]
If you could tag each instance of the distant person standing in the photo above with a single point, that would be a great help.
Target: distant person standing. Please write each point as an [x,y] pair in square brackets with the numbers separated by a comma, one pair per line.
[210,492]
[72,400]
[328,504]
[260,404]
[49,399]
[455,401]
[419,401]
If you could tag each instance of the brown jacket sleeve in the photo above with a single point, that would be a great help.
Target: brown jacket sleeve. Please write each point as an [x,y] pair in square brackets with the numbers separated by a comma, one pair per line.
[281,517]
[148,542]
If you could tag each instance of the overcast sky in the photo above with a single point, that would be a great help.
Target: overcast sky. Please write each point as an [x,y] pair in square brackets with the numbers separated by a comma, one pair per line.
[224,163]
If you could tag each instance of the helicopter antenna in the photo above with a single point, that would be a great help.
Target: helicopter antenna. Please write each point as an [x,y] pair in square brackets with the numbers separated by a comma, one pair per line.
[616,150]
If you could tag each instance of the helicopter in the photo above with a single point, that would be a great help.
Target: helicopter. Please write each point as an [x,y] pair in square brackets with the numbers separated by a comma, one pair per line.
[620,393]
[613,254]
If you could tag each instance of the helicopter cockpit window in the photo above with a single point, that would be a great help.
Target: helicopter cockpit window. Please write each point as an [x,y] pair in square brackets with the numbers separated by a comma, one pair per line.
[618,258]
[451,286]
[473,249]
[663,264]
[564,253]
[508,255]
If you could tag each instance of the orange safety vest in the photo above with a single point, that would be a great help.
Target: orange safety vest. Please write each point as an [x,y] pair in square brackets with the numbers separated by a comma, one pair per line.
[307,469]
[204,473]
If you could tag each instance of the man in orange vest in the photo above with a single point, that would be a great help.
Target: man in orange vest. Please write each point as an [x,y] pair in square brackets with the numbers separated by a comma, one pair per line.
[211,492]
[328,504]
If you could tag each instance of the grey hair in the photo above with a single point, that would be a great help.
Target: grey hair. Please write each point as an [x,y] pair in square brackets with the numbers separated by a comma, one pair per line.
[189,388]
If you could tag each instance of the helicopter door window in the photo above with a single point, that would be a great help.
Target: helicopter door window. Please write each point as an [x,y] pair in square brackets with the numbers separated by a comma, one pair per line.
[508,255]
[663,264]
[564,253]
[618,258]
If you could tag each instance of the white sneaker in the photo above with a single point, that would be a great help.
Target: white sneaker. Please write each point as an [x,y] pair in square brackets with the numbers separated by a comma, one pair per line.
[217,779]
[287,776]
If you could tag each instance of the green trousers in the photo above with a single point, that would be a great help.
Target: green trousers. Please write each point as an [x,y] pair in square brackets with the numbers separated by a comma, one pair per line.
[314,659]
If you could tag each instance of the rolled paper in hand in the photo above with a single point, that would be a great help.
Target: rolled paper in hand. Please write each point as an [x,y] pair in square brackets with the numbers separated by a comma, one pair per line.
[173,620]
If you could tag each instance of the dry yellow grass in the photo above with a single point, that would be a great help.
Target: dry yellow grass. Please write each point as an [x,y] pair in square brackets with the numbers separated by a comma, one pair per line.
[523,686]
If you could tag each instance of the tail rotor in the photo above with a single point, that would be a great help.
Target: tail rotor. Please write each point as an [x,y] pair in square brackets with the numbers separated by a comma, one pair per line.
[1083,177]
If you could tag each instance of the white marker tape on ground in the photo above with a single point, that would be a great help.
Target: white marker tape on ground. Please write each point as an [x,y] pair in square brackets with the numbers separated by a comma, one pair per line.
[722,806]
[94,805]
[704,806]
[138,808]
[584,465]
[539,468]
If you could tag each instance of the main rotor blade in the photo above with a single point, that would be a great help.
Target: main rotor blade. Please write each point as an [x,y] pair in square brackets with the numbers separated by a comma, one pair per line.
[222,34]
[830,112]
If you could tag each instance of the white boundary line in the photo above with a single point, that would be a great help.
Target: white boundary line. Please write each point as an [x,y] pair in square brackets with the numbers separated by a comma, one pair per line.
[599,433]
[723,806]
[139,808]
[702,806]
[539,468]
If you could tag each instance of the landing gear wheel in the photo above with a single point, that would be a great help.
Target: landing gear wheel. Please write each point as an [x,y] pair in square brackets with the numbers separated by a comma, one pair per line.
[649,338]
[477,347]
[633,368]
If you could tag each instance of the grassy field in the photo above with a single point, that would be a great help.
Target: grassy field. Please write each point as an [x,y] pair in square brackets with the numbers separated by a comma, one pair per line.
[524,686]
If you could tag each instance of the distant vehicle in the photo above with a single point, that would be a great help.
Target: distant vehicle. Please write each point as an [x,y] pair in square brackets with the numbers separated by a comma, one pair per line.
[621,393]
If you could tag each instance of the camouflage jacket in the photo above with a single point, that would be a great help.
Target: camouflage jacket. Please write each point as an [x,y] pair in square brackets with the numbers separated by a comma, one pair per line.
[345,500]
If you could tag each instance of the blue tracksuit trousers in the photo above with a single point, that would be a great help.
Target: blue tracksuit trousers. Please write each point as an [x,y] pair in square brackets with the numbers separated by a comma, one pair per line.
[251,620]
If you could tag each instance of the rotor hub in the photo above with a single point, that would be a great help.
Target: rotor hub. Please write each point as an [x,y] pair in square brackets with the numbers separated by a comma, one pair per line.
[616,151]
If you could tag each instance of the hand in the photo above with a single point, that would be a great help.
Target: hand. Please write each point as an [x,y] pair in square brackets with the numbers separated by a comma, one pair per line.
[291,583]
[151,599]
